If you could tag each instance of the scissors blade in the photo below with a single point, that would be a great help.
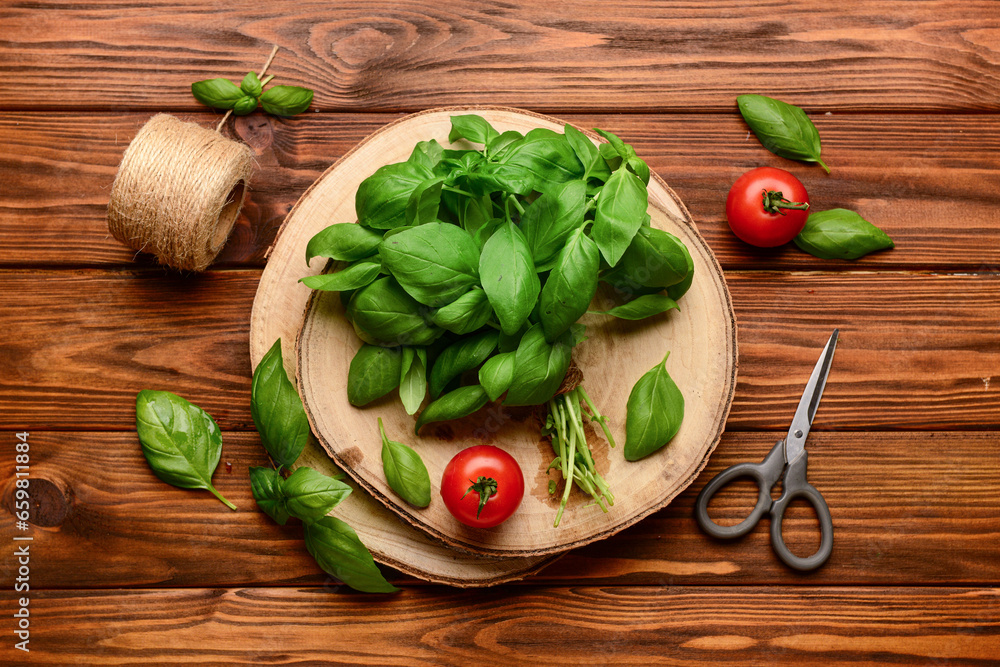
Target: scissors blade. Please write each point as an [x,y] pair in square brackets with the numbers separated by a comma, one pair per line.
[795,441]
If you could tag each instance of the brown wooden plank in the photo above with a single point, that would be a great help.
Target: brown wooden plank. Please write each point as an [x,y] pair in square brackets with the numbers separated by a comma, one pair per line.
[582,625]
[908,508]
[917,351]
[644,56]
[931,182]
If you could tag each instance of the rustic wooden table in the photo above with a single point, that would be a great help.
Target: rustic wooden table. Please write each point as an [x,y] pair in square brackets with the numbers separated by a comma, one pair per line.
[906,95]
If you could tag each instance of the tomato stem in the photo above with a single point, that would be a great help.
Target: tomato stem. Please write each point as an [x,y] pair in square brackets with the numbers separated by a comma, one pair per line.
[775,201]
[486,487]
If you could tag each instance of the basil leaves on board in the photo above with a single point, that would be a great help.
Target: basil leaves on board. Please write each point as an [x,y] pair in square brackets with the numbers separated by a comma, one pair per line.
[570,286]
[654,413]
[181,442]
[413,378]
[405,471]
[641,307]
[345,241]
[453,405]
[841,234]
[351,277]
[508,276]
[374,372]
[784,129]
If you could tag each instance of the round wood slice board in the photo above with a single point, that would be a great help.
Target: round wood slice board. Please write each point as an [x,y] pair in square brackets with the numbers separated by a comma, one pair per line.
[701,338]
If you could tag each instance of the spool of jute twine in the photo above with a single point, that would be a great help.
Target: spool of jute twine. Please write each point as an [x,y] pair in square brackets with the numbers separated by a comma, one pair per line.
[178,192]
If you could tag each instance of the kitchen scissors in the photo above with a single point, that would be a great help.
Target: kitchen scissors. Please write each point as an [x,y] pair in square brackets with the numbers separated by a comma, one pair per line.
[786,462]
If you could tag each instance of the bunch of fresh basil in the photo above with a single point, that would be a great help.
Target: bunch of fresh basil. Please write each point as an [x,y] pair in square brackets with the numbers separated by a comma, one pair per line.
[465,259]
[246,97]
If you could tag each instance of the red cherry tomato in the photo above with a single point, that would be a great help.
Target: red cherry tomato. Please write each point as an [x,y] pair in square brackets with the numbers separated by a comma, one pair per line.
[767,207]
[482,486]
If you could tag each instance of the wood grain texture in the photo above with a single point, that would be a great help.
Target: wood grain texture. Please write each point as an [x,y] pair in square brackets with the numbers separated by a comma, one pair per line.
[583,625]
[917,351]
[908,508]
[586,55]
[931,182]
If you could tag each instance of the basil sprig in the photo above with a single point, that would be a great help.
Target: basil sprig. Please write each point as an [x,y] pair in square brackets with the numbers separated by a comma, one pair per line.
[841,234]
[181,442]
[784,129]
[245,98]
[305,494]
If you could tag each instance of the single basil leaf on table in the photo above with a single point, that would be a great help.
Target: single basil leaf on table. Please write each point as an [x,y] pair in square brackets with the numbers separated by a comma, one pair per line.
[549,220]
[466,314]
[345,241]
[462,355]
[841,234]
[339,552]
[539,367]
[435,263]
[548,156]
[383,313]
[508,276]
[405,471]
[381,199]
[497,374]
[181,442]
[413,378]
[784,129]
[267,487]
[251,85]
[653,414]
[570,286]
[286,100]
[374,372]
[422,206]
[310,494]
[351,277]
[217,93]
[277,409]
[453,405]
[472,127]
[641,307]
[621,208]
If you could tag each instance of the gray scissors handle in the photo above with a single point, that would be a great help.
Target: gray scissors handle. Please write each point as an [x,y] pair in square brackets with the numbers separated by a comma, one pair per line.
[796,486]
[766,474]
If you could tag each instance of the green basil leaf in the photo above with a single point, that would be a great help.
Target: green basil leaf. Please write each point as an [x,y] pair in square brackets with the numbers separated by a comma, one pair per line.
[548,156]
[508,276]
[549,220]
[486,232]
[472,127]
[491,177]
[435,263]
[374,372]
[339,552]
[453,405]
[277,409]
[345,241]
[654,258]
[653,413]
[539,367]
[583,147]
[497,374]
[623,150]
[570,286]
[621,208]
[381,199]
[245,106]
[286,100]
[266,485]
[639,167]
[426,154]
[413,378]
[181,442]
[497,147]
[217,93]
[251,85]
[678,290]
[641,307]
[422,206]
[405,471]
[841,234]
[462,355]
[466,314]
[351,277]
[384,314]
[310,495]
[784,129]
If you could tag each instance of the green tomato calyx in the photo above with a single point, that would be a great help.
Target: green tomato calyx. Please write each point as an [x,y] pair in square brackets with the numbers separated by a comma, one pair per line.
[486,487]
[774,202]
